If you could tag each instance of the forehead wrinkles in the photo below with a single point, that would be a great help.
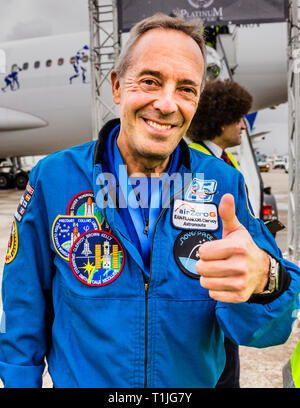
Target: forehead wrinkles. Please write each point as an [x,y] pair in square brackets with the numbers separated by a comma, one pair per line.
[158,45]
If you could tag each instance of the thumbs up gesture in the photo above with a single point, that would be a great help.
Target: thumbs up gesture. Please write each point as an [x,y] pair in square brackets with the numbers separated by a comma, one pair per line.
[234,267]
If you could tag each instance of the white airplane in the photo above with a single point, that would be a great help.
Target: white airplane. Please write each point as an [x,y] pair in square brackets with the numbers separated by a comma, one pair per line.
[45,105]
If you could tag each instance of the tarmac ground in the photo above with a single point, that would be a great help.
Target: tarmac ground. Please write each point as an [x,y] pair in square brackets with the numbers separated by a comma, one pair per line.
[260,368]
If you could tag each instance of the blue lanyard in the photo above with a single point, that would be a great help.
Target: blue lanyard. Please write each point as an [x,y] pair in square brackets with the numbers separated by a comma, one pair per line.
[143,213]
[142,210]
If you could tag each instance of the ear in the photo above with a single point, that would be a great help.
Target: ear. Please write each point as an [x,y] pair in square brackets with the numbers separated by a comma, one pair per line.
[116,87]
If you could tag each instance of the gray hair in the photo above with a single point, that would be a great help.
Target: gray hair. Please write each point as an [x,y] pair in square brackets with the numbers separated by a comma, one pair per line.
[192,28]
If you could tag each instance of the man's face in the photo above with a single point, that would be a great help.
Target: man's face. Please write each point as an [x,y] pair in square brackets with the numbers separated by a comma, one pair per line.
[232,134]
[158,94]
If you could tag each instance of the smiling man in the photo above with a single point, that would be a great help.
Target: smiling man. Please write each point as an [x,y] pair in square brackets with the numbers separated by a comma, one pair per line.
[140,295]
[158,97]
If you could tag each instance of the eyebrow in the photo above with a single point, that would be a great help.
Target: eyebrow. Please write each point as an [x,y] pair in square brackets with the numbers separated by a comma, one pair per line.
[188,82]
[151,72]
[159,75]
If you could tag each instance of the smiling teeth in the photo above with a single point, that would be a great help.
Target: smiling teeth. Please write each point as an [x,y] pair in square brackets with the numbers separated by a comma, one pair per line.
[158,126]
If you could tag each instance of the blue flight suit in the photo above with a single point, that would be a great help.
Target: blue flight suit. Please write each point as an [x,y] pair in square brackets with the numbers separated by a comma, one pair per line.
[96,317]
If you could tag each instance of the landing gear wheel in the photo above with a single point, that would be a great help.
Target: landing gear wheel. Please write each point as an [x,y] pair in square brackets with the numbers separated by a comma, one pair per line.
[21,180]
[4,181]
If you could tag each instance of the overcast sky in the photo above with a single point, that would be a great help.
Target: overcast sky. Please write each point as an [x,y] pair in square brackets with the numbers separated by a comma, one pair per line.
[32,18]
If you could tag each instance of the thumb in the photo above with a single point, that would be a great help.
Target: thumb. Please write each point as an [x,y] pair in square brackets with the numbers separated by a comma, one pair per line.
[227,214]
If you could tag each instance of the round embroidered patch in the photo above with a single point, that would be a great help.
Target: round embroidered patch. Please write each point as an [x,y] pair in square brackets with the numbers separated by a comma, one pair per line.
[97,258]
[66,229]
[13,243]
[186,250]
[84,204]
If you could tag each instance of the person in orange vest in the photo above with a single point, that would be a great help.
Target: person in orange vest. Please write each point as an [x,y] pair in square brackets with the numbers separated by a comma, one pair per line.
[216,126]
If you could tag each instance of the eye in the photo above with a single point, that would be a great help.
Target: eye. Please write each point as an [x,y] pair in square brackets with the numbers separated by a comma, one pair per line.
[149,82]
[188,90]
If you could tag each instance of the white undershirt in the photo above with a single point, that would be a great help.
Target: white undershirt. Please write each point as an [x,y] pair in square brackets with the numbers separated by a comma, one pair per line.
[216,150]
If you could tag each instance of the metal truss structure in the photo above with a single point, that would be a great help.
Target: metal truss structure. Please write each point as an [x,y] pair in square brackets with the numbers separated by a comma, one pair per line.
[104,50]
[294,131]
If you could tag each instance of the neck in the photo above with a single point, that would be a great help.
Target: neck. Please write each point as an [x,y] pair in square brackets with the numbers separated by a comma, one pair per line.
[218,141]
[137,164]
[148,167]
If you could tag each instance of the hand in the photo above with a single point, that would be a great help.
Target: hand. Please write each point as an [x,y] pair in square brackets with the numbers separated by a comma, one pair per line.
[234,267]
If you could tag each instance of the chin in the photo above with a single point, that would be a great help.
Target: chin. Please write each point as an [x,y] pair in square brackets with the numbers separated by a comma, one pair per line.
[155,155]
[158,151]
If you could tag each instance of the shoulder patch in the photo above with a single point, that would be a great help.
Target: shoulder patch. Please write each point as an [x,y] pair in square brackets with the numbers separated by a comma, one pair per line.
[24,201]
[13,243]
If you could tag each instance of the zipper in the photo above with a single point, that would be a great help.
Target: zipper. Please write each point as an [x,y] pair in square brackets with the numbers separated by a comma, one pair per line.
[146,302]
[147,284]
[146,334]
[146,220]
[146,227]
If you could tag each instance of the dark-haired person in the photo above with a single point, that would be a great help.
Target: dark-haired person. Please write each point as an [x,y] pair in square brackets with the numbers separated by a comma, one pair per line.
[216,126]
[218,122]
[110,293]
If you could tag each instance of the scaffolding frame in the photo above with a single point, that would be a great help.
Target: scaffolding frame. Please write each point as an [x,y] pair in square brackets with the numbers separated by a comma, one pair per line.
[293,245]
[104,50]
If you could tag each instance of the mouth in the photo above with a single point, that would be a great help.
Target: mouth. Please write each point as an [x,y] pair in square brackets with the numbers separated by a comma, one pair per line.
[162,127]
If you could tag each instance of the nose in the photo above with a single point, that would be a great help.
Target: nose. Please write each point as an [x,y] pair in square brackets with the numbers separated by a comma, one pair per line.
[165,101]
[242,124]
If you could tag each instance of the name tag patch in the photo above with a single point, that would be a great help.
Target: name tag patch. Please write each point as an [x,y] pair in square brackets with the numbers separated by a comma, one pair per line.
[196,216]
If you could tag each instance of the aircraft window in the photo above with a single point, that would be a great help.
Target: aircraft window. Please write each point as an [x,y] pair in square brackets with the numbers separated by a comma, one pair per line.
[48,63]
[60,61]
[85,58]
[36,64]
[72,60]
[25,65]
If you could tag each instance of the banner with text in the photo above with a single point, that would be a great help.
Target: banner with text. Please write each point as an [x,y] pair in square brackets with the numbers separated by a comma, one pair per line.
[211,12]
